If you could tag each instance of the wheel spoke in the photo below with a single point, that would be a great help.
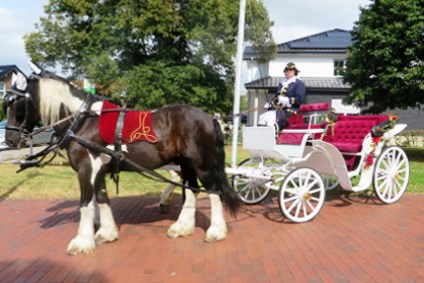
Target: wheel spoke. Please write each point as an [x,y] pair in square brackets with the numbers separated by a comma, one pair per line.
[292,191]
[247,193]
[310,205]
[294,185]
[315,199]
[386,188]
[290,199]
[293,205]
[299,206]
[315,191]
[305,212]
[246,187]
[383,184]
[310,185]
[382,175]
[400,164]
[398,157]
[397,185]
[385,163]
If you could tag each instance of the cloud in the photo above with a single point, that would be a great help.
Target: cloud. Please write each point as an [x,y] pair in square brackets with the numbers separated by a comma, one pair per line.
[7,20]
[15,23]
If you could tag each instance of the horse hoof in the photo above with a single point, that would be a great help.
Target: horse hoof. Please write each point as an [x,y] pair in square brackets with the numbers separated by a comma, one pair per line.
[80,245]
[214,234]
[105,235]
[163,208]
[176,231]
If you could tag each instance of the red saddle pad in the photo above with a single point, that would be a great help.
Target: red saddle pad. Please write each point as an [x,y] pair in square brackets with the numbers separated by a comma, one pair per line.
[137,125]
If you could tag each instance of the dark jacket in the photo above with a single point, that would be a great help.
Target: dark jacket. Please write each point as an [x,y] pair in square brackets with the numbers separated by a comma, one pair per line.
[295,91]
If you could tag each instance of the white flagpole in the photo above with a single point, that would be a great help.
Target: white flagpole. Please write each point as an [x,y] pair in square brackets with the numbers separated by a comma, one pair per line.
[239,61]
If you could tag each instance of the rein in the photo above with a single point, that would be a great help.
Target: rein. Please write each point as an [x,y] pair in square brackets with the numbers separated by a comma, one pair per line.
[246,111]
[42,129]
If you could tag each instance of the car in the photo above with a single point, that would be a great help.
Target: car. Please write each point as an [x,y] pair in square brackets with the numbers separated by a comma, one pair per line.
[48,136]
[3,144]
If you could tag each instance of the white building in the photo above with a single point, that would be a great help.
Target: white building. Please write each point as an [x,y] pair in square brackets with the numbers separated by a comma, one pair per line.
[319,57]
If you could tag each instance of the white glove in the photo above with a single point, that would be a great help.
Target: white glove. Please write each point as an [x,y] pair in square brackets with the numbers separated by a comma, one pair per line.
[267,105]
[283,101]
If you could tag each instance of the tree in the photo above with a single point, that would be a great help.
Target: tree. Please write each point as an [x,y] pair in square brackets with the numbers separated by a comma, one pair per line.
[158,51]
[386,61]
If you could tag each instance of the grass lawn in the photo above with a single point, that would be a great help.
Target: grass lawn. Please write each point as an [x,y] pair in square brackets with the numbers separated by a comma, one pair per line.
[58,181]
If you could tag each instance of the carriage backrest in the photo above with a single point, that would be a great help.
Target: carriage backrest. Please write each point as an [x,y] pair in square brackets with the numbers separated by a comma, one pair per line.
[352,129]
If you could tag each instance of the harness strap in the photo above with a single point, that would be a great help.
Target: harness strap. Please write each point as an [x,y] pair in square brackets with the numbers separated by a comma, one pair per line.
[118,148]
[76,124]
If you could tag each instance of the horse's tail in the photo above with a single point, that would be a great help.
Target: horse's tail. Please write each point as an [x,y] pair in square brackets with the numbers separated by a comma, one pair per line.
[228,195]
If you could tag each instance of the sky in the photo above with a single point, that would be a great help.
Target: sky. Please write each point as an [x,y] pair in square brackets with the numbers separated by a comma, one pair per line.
[292,20]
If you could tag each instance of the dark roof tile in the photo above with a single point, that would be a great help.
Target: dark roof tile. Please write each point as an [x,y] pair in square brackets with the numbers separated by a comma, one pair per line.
[6,69]
[334,41]
[310,82]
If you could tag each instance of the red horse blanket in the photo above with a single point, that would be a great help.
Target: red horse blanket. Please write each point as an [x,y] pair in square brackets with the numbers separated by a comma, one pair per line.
[137,125]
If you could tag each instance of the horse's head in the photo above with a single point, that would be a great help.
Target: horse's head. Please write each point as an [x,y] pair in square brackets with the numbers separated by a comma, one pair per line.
[22,112]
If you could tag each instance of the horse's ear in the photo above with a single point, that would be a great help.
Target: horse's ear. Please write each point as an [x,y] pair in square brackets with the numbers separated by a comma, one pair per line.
[35,69]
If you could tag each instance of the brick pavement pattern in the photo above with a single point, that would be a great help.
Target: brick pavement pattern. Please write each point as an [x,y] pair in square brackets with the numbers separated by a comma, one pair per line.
[353,239]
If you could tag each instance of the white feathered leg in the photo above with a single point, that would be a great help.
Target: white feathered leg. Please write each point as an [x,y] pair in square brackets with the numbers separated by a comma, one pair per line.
[108,232]
[218,229]
[186,220]
[84,240]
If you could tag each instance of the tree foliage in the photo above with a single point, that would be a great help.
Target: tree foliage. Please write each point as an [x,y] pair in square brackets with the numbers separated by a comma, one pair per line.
[386,62]
[158,51]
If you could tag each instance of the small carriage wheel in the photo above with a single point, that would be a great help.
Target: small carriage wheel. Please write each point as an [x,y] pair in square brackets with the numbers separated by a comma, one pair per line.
[391,174]
[251,190]
[302,194]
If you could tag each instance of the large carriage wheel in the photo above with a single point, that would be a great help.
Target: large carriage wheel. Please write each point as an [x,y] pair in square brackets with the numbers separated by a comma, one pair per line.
[251,190]
[302,195]
[391,174]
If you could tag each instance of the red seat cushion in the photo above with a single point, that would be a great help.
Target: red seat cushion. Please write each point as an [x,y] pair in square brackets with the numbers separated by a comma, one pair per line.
[349,131]
[289,138]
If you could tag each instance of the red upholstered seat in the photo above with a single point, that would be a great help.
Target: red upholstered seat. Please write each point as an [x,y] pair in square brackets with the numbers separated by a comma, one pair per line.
[289,138]
[297,122]
[349,132]
[314,107]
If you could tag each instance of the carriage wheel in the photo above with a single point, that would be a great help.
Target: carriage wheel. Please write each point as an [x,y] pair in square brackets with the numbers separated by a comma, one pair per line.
[330,182]
[251,190]
[391,174]
[302,195]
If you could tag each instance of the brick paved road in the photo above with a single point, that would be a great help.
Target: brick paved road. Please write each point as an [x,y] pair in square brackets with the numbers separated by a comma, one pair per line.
[351,240]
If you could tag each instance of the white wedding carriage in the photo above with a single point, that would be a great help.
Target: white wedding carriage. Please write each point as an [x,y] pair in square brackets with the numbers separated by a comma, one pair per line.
[311,157]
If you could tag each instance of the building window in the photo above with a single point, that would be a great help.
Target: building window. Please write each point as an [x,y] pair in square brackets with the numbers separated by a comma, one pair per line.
[339,67]
[2,89]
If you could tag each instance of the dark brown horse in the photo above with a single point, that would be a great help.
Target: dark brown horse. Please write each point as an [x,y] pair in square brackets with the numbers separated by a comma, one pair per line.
[185,136]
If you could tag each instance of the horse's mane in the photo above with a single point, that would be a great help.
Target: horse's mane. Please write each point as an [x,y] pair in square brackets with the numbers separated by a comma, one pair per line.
[57,98]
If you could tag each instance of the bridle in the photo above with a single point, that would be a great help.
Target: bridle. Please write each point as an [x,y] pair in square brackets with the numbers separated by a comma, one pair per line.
[9,98]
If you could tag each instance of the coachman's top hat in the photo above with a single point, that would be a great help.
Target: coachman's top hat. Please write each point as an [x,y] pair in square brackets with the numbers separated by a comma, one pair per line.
[291,66]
